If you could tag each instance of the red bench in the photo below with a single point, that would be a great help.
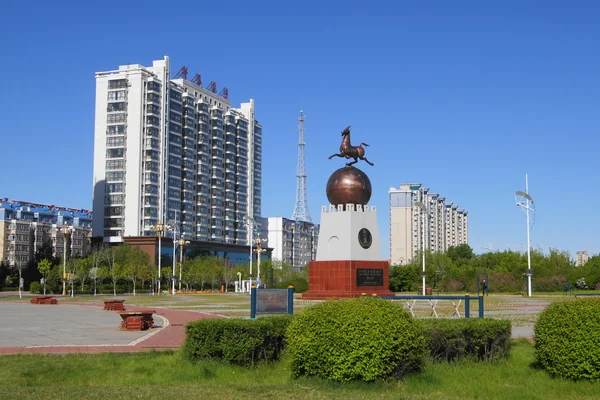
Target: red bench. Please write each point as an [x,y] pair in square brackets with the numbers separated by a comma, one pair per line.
[137,320]
[114,305]
[44,300]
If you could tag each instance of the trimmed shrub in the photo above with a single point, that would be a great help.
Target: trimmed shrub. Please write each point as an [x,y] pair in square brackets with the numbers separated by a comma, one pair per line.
[355,339]
[238,341]
[472,338]
[35,288]
[300,285]
[552,284]
[567,339]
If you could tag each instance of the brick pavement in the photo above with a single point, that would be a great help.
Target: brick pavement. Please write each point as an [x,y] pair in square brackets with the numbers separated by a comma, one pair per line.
[169,337]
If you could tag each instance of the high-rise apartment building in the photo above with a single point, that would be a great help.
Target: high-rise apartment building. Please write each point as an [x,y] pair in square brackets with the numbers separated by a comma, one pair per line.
[445,224]
[581,258]
[171,151]
[25,227]
[293,242]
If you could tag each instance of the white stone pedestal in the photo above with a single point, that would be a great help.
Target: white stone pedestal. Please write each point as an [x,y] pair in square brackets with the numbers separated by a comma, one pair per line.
[340,235]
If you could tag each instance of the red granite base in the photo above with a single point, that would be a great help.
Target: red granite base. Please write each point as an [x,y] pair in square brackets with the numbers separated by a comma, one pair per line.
[337,279]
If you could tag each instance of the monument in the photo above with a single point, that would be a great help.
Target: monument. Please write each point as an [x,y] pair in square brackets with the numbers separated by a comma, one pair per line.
[348,261]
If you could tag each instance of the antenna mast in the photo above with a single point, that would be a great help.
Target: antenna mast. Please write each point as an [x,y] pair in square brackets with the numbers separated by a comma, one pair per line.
[301,212]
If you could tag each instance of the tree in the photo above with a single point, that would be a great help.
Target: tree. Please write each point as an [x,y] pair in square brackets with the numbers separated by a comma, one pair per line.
[402,278]
[460,252]
[114,268]
[97,258]
[229,274]
[19,267]
[4,273]
[44,266]
[136,263]
[82,270]
[216,266]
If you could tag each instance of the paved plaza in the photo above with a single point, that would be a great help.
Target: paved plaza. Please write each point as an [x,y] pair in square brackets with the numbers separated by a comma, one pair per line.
[25,325]
[85,327]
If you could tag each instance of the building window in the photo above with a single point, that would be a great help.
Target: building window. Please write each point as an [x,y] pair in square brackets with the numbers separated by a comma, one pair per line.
[115,176]
[116,118]
[114,107]
[117,83]
[115,164]
[114,187]
[115,153]
[117,95]
[116,130]
[115,141]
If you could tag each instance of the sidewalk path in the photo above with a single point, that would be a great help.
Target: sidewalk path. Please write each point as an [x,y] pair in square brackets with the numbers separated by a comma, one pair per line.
[96,328]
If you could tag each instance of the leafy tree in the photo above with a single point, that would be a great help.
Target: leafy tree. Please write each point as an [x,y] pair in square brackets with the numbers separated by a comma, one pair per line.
[95,272]
[114,267]
[402,278]
[460,252]
[4,273]
[136,263]
[229,274]
[216,267]
[82,270]
[45,266]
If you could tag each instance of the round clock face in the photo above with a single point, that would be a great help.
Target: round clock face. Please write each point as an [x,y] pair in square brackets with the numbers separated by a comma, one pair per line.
[364,238]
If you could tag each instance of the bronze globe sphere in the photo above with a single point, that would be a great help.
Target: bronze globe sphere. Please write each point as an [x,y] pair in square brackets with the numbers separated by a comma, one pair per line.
[348,185]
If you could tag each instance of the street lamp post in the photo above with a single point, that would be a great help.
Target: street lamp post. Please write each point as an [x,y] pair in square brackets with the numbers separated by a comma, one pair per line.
[525,201]
[65,232]
[423,212]
[175,230]
[250,223]
[159,229]
[182,243]
[259,251]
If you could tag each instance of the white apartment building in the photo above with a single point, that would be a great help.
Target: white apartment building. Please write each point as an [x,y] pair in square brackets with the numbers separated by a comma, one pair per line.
[25,227]
[443,223]
[171,151]
[293,242]
[581,258]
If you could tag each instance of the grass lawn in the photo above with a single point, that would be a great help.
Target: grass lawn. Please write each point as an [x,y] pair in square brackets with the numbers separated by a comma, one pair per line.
[154,374]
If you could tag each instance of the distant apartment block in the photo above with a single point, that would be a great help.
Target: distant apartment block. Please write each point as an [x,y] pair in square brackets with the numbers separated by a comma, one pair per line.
[168,150]
[581,258]
[293,242]
[445,224]
[25,227]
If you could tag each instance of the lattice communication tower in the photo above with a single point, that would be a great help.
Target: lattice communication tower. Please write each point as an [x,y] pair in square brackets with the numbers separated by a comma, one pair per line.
[301,212]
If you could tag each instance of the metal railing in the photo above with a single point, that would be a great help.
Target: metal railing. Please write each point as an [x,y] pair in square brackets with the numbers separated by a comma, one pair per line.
[434,301]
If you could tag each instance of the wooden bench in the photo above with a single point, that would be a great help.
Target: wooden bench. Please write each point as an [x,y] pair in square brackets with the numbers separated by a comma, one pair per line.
[137,320]
[114,305]
[43,300]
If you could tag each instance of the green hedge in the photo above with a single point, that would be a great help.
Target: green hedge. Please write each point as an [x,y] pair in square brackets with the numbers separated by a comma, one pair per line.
[238,341]
[567,339]
[36,288]
[472,338]
[355,339]
[300,285]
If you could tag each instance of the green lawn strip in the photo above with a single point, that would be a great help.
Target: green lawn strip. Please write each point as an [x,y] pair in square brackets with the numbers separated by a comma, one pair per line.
[153,374]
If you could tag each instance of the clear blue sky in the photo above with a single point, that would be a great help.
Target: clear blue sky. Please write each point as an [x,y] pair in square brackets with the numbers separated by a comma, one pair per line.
[462,96]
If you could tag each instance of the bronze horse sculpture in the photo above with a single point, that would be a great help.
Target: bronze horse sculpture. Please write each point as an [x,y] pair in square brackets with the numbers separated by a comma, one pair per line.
[349,151]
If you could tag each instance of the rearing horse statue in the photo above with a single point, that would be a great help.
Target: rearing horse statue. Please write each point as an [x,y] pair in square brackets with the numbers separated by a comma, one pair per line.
[349,151]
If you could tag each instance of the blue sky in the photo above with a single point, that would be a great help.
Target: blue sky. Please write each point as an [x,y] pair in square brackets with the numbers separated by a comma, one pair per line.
[463,96]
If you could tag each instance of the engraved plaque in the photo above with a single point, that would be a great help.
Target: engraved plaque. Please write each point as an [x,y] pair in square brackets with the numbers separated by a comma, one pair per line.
[369,277]
[365,238]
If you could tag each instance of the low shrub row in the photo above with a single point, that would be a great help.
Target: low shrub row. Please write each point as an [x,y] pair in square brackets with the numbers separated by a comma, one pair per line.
[473,338]
[345,340]
[238,341]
